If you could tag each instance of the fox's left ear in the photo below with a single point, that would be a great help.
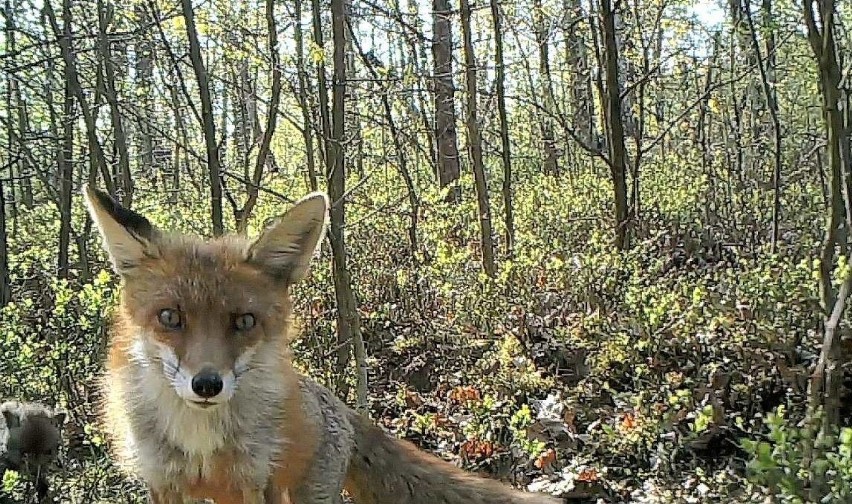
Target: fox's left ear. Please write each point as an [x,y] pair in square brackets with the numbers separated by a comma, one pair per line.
[286,247]
[11,418]
[127,236]
[59,416]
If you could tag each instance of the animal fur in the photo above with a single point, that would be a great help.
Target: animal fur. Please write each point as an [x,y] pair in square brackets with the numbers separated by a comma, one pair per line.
[201,397]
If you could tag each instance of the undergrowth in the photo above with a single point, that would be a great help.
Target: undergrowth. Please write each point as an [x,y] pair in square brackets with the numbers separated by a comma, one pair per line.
[673,371]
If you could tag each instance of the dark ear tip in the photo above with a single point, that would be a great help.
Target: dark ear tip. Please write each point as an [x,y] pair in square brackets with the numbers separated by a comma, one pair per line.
[101,197]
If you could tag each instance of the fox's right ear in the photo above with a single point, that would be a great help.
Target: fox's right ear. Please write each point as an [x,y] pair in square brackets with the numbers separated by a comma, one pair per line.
[11,418]
[127,236]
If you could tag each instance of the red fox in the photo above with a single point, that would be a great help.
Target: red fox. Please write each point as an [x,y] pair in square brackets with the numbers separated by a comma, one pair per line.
[201,400]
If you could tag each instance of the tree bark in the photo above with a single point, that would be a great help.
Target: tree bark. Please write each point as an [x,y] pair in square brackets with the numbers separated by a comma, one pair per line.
[615,130]
[551,158]
[825,384]
[66,167]
[105,15]
[444,89]
[475,145]
[506,154]
[208,123]
[581,79]
[349,323]
[5,281]
[307,121]
[271,121]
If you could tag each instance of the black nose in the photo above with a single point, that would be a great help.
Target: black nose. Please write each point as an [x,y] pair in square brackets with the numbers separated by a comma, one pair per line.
[207,383]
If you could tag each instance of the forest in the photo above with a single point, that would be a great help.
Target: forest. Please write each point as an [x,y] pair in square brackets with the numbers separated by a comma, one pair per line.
[594,248]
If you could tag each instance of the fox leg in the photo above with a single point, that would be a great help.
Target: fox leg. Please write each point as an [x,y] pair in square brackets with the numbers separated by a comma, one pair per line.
[253,496]
[165,497]
[42,487]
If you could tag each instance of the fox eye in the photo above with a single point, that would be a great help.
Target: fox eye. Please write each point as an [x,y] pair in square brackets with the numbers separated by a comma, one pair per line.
[244,322]
[169,318]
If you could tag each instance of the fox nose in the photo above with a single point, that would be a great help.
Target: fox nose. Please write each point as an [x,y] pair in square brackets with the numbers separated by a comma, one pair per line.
[207,383]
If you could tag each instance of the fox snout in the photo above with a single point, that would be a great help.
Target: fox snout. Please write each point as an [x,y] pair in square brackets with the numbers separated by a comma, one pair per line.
[207,383]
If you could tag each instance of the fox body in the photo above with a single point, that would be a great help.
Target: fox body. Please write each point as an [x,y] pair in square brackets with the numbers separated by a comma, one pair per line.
[29,440]
[201,397]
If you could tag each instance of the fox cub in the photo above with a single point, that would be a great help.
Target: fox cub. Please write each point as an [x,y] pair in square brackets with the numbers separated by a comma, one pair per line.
[29,440]
[201,397]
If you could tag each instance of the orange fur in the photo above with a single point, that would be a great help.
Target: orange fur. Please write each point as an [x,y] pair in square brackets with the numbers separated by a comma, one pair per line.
[266,435]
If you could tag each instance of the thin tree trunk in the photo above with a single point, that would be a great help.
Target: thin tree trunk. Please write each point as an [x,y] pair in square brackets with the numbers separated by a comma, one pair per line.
[349,323]
[307,121]
[73,84]
[617,148]
[824,389]
[66,171]
[772,103]
[551,159]
[104,19]
[402,158]
[475,146]
[581,84]
[322,91]
[5,281]
[208,122]
[271,120]
[506,153]
[445,112]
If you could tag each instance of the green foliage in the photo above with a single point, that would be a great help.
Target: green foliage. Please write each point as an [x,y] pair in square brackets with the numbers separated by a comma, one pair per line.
[780,462]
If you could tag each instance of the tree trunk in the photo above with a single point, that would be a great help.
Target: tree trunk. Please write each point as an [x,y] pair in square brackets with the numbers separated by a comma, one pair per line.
[73,86]
[208,123]
[551,158]
[271,121]
[444,89]
[475,146]
[5,281]
[581,79]
[766,70]
[349,323]
[66,167]
[615,130]
[307,121]
[508,210]
[825,384]
[322,91]
[144,50]
[402,158]
[105,15]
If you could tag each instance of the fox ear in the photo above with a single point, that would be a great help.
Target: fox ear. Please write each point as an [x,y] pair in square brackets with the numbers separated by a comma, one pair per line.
[127,236]
[285,248]
[12,419]
[59,416]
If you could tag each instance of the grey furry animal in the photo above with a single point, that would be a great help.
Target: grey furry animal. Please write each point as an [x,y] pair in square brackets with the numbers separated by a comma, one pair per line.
[30,438]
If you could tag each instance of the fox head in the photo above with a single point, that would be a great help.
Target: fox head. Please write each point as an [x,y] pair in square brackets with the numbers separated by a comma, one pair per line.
[203,308]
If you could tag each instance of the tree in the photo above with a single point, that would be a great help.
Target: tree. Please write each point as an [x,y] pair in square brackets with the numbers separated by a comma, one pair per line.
[105,17]
[349,323]
[5,281]
[542,37]
[243,214]
[475,145]
[766,68]
[444,90]
[208,124]
[826,380]
[304,105]
[66,161]
[615,125]
[505,145]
